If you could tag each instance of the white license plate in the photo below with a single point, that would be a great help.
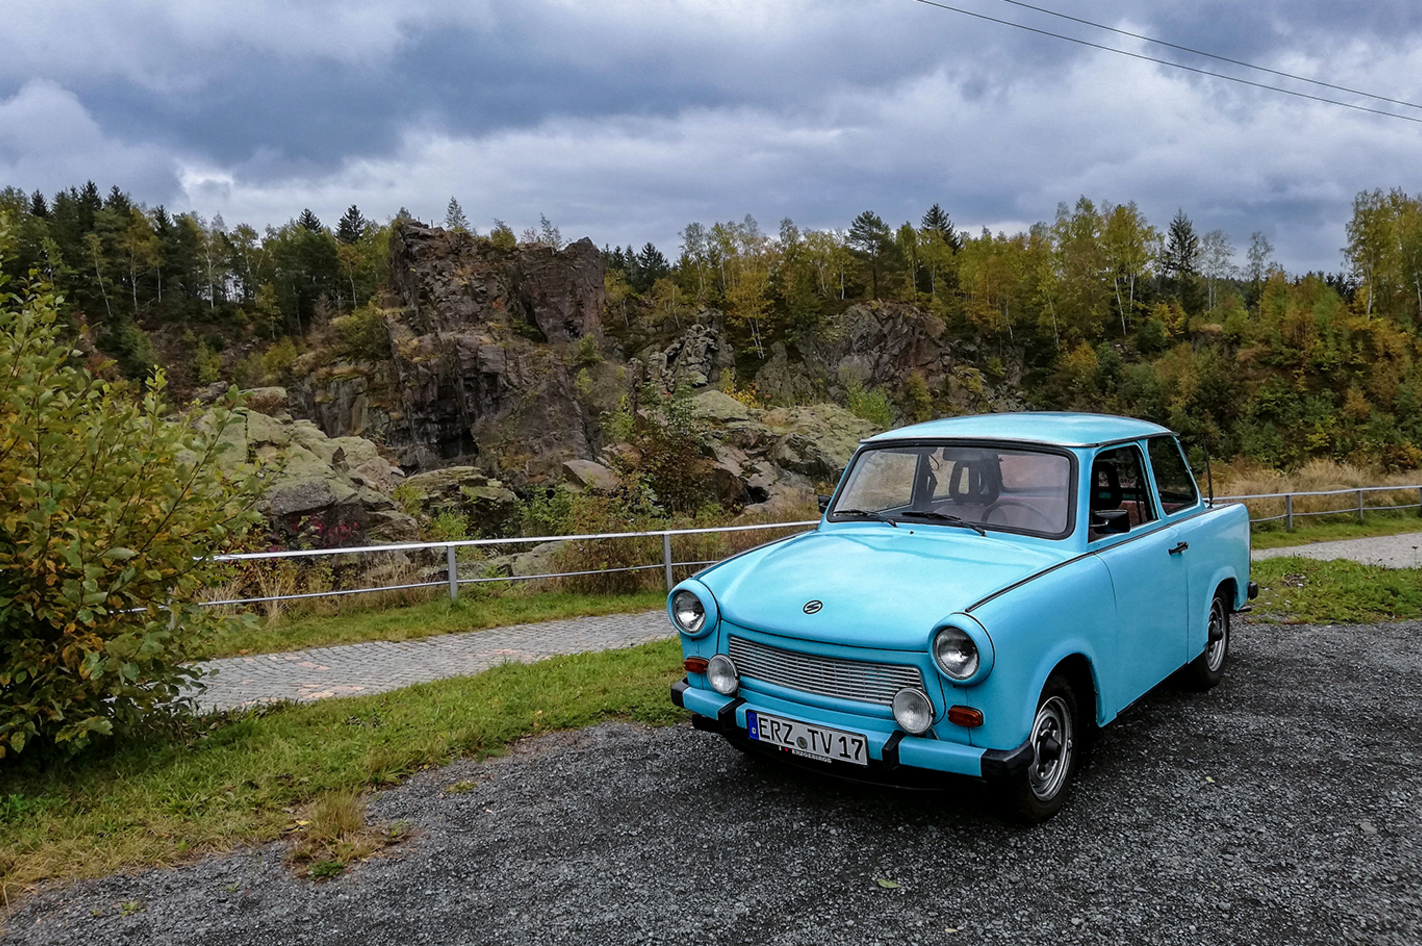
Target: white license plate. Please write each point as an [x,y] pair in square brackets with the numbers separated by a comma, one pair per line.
[804,739]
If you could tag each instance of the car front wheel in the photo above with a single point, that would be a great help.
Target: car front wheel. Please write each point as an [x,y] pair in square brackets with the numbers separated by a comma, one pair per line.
[1040,790]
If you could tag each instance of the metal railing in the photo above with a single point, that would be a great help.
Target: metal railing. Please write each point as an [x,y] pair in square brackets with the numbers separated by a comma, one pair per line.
[668,563]
[1357,507]
[451,548]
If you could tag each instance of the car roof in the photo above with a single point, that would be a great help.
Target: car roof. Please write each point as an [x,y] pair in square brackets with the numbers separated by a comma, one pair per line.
[1062,428]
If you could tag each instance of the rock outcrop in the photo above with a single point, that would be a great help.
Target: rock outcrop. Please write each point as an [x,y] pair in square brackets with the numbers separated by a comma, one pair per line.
[315,481]
[479,371]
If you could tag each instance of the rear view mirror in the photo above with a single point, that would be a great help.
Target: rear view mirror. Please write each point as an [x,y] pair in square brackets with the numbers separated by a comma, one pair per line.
[823,501]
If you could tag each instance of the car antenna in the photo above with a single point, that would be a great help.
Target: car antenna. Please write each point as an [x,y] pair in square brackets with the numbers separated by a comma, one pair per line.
[1209,472]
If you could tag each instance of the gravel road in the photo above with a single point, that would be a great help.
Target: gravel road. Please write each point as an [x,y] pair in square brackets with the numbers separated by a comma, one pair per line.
[1390,551]
[1280,808]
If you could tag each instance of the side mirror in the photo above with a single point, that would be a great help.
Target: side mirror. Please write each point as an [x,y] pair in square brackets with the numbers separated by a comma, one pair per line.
[823,501]
[1111,521]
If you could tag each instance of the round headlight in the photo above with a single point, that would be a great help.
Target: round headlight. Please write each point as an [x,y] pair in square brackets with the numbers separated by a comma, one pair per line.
[955,653]
[912,710]
[722,675]
[688,611]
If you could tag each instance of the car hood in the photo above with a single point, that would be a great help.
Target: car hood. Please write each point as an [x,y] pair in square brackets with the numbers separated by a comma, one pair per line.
[879,586]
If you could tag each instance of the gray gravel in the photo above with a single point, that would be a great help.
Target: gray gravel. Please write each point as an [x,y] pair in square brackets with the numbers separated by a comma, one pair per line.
[1390,551]
[1280,808]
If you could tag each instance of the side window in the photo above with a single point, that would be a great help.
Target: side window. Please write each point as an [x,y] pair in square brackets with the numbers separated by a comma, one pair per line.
[1172,477]
[1118,482]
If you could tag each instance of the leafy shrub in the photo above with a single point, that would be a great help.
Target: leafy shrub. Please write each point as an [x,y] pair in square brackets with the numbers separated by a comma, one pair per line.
[362,335]
[869,403]
[108,512]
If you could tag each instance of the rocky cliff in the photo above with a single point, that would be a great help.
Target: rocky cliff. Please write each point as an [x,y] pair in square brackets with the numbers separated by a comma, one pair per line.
[480,356]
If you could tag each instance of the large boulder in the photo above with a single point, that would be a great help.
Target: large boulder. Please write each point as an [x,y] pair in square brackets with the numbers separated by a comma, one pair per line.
[485,502]
[587,474]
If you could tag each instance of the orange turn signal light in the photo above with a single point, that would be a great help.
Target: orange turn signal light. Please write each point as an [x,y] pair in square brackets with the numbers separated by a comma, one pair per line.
[965,716]
[696,664]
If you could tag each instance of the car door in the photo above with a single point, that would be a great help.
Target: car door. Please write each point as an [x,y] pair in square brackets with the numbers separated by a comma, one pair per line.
[1148,574]
[1179,499]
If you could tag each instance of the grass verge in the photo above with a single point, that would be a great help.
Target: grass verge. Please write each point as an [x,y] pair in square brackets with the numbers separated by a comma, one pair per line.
[1376,524]
[257,776]
[428,619]
[1305,591]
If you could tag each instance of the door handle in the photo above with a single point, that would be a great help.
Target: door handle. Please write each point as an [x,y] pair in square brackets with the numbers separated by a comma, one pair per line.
[1179,548]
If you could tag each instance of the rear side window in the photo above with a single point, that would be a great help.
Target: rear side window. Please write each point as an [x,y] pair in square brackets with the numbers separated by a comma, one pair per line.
[1174,484]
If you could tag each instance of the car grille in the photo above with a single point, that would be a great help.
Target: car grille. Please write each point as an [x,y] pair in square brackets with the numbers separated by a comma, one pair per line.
[823,676]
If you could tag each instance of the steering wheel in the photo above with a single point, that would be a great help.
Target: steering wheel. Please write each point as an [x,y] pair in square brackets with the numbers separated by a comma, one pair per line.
[987,513]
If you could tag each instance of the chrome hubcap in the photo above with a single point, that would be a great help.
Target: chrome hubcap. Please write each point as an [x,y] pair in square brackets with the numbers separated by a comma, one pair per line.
[1052,743]
[1219,637]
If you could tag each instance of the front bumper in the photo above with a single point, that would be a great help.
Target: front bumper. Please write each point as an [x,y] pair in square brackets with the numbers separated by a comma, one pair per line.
[890,748]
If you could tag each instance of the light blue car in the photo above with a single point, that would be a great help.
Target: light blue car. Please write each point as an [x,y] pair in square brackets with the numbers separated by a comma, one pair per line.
[980,594]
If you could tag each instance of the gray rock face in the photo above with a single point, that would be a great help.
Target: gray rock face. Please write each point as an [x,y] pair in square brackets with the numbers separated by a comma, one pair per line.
[479,370]
[486,502]
[341,480]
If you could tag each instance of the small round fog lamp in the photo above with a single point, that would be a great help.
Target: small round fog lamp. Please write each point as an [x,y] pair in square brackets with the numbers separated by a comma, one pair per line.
[722,675]
[913,711]
[689,612]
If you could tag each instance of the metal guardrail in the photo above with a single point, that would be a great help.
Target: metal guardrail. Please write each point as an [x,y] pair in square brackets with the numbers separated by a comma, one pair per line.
[452,580]
[451,548]
[1359,508]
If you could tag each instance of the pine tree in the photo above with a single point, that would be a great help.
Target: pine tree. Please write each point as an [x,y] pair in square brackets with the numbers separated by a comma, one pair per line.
[309,221]
[1180,262]
[454,218]
[936,220]
[651,266]
[872,240]
[352,226]
[1182,248]
[38,207]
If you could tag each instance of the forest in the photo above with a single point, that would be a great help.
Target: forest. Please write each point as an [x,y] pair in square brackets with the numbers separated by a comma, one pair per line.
[1097,309]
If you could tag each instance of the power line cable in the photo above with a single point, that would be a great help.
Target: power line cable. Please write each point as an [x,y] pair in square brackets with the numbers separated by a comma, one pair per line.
[1201,52]
[1173,65]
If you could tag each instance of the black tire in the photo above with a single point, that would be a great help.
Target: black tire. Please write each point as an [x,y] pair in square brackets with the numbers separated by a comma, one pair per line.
[1040,790]
[1207,670]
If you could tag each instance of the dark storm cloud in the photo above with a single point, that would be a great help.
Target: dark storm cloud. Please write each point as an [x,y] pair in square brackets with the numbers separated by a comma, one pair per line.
[627,120]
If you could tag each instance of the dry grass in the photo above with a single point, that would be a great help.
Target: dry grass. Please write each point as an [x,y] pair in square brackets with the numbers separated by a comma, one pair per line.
[1245,479]
[334,835]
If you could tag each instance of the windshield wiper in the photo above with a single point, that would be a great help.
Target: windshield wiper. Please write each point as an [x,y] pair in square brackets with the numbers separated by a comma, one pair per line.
[868,515]
[945,517]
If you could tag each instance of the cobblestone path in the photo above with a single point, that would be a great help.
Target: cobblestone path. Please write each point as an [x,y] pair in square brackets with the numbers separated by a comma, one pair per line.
[377,666]
[354,669]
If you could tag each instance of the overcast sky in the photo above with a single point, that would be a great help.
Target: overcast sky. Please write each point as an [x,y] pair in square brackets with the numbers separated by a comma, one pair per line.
[623,120]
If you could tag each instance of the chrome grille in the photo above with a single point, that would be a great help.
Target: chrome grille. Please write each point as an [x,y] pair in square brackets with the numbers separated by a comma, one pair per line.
[824,676]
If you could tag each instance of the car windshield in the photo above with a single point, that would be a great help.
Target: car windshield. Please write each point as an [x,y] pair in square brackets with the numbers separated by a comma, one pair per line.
[1014,489]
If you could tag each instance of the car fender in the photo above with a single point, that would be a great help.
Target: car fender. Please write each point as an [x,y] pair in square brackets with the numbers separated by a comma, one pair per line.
[1063,613]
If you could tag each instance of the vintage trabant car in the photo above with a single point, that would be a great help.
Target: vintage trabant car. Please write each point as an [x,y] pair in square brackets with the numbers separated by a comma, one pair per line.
[980,593]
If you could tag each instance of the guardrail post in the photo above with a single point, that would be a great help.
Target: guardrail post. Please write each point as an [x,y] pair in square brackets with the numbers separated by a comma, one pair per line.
[453,573]
[1419,501]
[1289,512]
[1360,505]
[667,558]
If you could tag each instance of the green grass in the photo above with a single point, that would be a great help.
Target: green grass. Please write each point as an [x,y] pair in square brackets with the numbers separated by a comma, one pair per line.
[1305,591]
[247,777]
[440,616]
[1387,523]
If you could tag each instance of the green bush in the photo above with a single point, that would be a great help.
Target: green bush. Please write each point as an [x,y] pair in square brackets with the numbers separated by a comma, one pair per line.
[869,403]
[108,510]
[362,335]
